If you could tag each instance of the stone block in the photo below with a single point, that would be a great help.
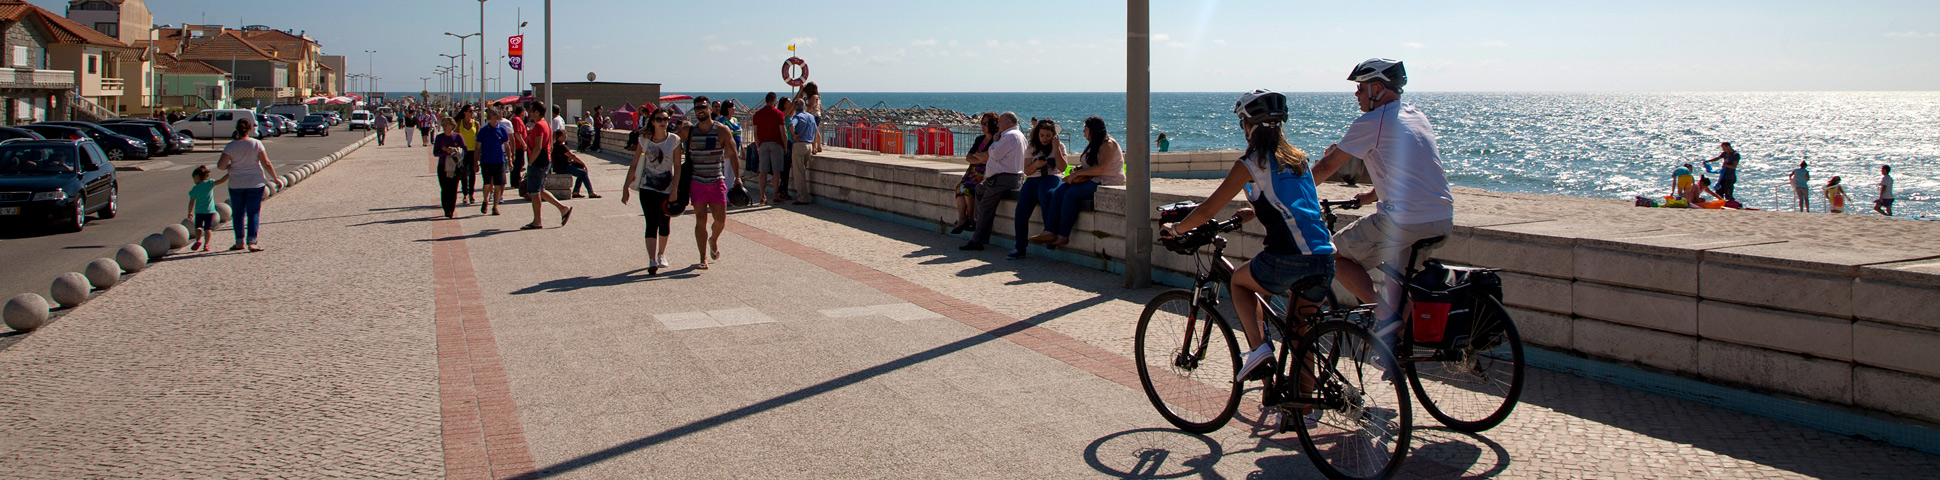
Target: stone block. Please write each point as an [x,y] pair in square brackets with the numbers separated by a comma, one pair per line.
[1642,308]
[1655,348]
[1543,328]
[1789,373]
[1791,276]
[1896,392]
[1815,335]
[1905,293]
[1900,348]
[1666,273]
[1537,292]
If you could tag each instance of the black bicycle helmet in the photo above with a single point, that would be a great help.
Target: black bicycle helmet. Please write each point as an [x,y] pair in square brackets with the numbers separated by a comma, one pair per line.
[1261,106]
[1388,71]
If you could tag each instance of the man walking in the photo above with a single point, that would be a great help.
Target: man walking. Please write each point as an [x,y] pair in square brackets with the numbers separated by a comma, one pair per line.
[537,135]
[768,148]
[383,125]
[1802,187]
[1003,172]
[493,137]
[1884,205]
[805,132]
[1727,171]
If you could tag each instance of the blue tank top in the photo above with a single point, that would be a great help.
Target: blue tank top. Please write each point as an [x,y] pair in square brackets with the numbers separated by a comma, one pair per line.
[1288,207]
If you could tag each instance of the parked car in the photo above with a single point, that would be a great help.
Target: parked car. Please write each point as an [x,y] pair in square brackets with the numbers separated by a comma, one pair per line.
[289,124]
[216,124]
[360,119]
[119,147]
[54,132]
[314,124]
[10,133]
[56,181]
[335,118]
[157,144]
[296,110]
[269,121]
[177,142]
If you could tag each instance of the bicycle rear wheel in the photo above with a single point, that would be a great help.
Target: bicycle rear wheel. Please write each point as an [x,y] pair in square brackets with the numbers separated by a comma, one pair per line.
[1186,361]
[1365,422]
[1481,381]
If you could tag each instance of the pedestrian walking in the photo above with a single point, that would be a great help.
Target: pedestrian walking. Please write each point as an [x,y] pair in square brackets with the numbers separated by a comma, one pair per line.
[493,139]
[1727,171]
[655,166]
[468,129]
[1041,179]
[202,207]
[534,189]
[1003,171]
[450,151]
[382,125]
[1801,187]
[520,151]
[768,149]
[1884,205]
[410,119]
[711,155]
[425,123]
[249,173]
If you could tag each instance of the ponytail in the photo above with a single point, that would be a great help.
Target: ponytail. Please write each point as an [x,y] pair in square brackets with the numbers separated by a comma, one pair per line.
[1270,143]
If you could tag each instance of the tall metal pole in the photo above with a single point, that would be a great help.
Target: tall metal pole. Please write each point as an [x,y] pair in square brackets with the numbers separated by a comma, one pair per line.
[549,99]
[1138,127]
[368,61]
[518,76]
[481,53]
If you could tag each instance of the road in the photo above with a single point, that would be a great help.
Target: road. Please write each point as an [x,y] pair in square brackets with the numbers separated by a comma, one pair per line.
[150,200]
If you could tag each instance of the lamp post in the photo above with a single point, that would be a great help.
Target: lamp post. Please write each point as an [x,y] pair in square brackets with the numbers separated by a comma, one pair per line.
[1138,125]
[368,62]
[481,53]
[455,74]
[461,50]
[549,99]
[518,76]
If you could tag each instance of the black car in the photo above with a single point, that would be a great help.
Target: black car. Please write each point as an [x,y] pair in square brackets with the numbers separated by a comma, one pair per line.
[10,133]
[55,132]
[119,147]
[56,181]
[157,143]
[177,142]
[314,124]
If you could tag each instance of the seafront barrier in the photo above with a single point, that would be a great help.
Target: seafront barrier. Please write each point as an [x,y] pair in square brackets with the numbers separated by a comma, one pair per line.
[1828,324]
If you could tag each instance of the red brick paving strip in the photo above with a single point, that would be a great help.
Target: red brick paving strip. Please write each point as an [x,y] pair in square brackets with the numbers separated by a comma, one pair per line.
[482,435]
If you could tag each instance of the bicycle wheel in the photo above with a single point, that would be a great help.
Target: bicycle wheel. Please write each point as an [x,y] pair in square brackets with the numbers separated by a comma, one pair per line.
[1481,381]
[1186,360]
[1365,422]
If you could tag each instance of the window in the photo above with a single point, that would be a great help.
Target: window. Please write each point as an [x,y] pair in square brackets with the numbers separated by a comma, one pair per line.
[104,6]
[108,28]
[92,60]
[200,117]
[20,56]
[243,77]
[224,117]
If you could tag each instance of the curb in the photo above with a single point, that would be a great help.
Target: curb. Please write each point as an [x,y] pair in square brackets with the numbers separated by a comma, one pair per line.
[144,165]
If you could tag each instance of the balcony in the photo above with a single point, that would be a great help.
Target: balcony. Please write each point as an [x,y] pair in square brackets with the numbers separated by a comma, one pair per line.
[266,92]
[112,86]
[36,79]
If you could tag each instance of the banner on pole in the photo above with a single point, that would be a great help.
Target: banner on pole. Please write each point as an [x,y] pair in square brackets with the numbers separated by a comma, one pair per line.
[516,62]
[515,52]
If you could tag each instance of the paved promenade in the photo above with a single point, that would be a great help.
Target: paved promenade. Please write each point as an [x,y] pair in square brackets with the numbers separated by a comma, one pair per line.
[377,339]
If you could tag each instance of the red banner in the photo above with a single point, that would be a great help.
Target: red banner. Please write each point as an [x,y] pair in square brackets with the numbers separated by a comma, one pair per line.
[515,45]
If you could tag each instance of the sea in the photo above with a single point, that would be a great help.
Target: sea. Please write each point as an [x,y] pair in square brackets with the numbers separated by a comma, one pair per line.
[1603,145]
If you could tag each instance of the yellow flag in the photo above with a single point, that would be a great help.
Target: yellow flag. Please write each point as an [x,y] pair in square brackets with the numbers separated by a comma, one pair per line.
[791,47]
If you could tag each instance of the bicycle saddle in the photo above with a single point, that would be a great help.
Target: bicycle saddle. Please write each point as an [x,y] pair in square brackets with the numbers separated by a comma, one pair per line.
[1427,243]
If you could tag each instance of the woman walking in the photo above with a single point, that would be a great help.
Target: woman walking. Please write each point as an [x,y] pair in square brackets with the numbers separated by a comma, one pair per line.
[468,129]
[967,188]
[656,164]
[1102,164]
[249,172]
[708,143]
[450,151]
[1046,162]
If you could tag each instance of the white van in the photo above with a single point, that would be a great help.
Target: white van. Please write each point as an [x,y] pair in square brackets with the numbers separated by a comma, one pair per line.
[360,119]
[212,123]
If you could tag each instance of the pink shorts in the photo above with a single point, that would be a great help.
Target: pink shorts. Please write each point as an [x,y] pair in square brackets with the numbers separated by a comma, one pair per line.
[714,193]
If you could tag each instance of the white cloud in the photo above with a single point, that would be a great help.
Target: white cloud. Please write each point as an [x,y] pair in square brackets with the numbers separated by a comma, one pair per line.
[972,54]
[746,43]
[923,43]
[1037,60]
[847,51]
[992,43]
[1912,35]
[953,43]
[717,47]
[710,37]
[1033,41]
[1160,37]
[889,58]
[802,41]
[1413,44]
[943,53]
[1220,41]
[1495,43]
[1175,44]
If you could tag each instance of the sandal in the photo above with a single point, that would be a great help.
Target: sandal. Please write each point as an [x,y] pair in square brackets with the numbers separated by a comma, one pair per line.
[531,227]
[700,266]
[254,248]
[565,216]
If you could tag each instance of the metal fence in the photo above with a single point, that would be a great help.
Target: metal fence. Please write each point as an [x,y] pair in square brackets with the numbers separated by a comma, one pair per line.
[906,141]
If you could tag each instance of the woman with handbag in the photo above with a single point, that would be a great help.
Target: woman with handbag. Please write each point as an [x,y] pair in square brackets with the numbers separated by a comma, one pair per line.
[449,147]
[654,169]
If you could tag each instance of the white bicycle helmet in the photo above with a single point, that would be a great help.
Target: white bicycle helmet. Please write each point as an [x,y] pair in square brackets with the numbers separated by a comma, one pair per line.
[1261,106]
[1388,71]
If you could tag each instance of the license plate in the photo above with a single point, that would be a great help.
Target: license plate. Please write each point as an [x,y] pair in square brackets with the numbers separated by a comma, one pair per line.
[9,210]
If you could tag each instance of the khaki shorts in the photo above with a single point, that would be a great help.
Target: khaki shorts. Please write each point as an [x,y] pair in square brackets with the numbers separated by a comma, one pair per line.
[1377,239]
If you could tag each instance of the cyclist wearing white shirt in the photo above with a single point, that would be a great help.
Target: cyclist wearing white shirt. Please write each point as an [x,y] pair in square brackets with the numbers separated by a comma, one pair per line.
[1397,144]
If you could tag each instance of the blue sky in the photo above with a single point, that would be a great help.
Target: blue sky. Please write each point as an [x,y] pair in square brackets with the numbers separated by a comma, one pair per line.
[1199,45]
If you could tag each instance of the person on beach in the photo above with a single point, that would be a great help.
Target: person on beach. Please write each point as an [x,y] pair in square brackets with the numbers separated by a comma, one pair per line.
[1801,187]
[966,196]
[249,174]
[1003,171]
[768,149]
[1165,144]
[1397,144]
[1884,205]
[1682,180]
[425,121]
[1041,179]
[655,166]
[1694,196]
[804,142]
[468,128]
[536,134]
[383,126]
[202,207]
[1835,196]
[1727,171]
[493,138]
[1102,163]
[449,148]
[1297,244]
[710,154]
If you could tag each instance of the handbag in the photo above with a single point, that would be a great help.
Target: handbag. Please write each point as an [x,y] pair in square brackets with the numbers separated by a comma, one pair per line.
[453,164]
[738,196]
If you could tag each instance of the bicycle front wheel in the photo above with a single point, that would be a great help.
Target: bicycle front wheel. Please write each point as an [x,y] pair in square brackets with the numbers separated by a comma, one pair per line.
[1364,422]
[1476,384]
[1186,361]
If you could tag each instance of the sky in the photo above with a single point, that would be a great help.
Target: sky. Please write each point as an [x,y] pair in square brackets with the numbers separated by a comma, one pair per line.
[1080,45]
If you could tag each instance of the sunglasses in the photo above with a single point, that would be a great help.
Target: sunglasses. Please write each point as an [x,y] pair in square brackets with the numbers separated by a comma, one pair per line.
[660,119]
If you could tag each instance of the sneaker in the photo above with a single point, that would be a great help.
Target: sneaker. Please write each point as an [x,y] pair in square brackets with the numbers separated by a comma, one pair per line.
[1254,359]
[1015,255]
[196,246]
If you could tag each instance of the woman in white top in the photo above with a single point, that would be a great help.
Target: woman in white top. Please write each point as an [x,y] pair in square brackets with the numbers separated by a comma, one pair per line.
[655,166]
[249,172]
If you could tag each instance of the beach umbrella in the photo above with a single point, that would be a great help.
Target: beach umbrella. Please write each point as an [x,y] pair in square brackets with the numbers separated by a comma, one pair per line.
[506,100]
[675,98]
[340,100]
[316,100]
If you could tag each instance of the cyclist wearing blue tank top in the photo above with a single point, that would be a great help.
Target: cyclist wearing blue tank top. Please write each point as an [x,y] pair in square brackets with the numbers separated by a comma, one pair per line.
[1280,187]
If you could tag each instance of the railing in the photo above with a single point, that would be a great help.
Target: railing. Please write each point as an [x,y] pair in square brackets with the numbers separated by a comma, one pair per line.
[110,84]
[87,111]
[26,78]
[891,140]
[266,92]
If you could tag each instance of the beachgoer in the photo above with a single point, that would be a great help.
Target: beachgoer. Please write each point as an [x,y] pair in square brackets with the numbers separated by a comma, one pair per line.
[534,190]
[1801,187]
[202,207]
[1297,244]
[966,196]
[1165,144]
[493,139]
[1694,195]
[1681,179]
[1835,196]
[1884,205]
[803,134]
[1101,163]
[1041,182]
[655,166]
[710,154]
[468,128]
[1003,171]
[1727,171]
[450,151]
[1397,144]
[249,173]
[769,152]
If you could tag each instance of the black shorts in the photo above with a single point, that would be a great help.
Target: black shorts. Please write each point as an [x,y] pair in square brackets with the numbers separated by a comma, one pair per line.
[494,173]
[205,221]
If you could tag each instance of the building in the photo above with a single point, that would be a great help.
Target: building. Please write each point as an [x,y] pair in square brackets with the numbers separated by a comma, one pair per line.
[578,97]
[129,22]
[193,84]
[333,67]
[59,69]
[267,66]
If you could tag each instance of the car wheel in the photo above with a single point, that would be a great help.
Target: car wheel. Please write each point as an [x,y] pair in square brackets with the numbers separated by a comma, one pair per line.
[117,154]
[114,203]
[78,219]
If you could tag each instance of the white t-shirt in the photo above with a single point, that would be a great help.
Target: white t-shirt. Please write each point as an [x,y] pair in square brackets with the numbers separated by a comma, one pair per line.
[558,123]
[1398,146]
[1886,187]
[656,162]
[244,170]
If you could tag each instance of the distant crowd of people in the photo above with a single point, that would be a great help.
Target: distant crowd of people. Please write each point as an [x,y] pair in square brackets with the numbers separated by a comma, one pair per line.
[1691,189]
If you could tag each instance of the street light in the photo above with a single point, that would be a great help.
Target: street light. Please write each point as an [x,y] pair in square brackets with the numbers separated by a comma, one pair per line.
[368,61]
[481,53]
[455,74]
[461,48]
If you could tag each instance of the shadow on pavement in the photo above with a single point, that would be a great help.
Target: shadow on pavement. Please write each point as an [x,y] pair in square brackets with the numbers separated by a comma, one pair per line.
[810,391]
[1154,453]
[623,278]
[481,233]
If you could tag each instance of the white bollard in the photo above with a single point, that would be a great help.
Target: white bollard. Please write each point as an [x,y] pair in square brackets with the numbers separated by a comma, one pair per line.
[177,235]
[102,273]
[70,289]
[25,312]
[131,258]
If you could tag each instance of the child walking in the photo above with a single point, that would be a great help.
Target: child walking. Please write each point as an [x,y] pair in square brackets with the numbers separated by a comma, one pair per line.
[202,205]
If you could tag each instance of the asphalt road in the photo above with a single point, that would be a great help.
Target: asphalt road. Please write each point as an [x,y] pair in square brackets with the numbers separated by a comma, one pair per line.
[31,256]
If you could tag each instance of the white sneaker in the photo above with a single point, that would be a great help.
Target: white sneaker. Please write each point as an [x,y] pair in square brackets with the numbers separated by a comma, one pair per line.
[1254,359]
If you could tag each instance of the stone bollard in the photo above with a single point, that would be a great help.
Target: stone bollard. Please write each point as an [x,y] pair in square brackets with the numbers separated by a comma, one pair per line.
[222,213]
[177,235]
[131,258]
[189,223]
[70,289]
[103,273]
[155,244]
[25,312]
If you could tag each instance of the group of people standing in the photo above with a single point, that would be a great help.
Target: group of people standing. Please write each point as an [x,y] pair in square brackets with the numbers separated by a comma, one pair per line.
[1691,188]
[1003,159]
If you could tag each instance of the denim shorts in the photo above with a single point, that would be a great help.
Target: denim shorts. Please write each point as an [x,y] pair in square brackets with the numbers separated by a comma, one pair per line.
[1277,273]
